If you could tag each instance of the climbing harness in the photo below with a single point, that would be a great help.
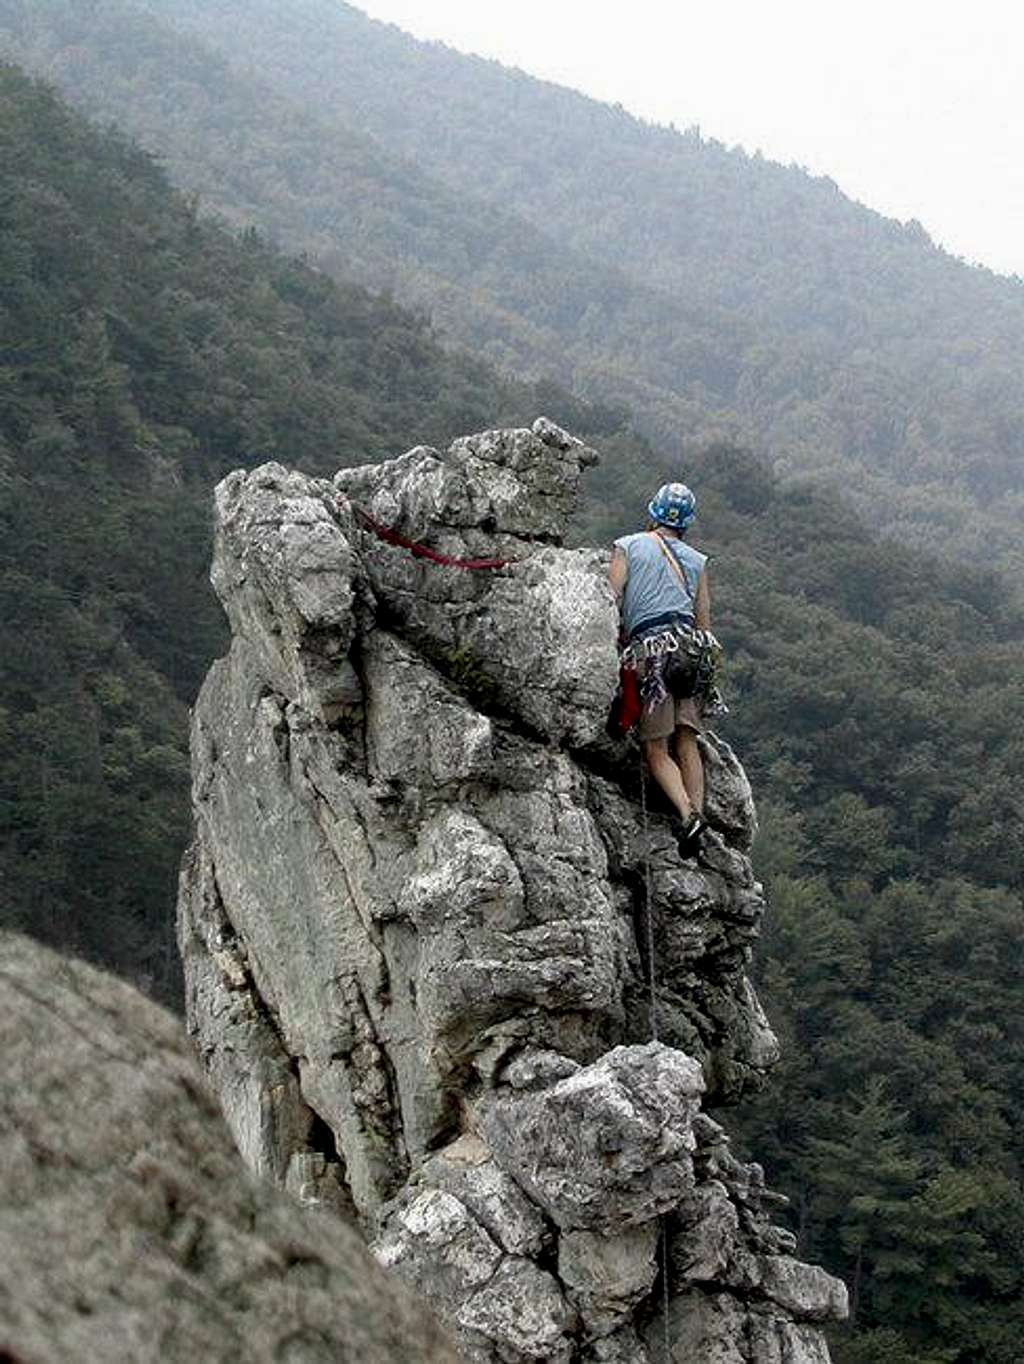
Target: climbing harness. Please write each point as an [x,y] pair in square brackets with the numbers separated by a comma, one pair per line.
[684,638]
[679,661]
[651,646]
[418,551]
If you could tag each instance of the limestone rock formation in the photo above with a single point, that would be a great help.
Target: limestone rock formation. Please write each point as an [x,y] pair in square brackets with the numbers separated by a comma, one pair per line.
[129,1232]
[443,965]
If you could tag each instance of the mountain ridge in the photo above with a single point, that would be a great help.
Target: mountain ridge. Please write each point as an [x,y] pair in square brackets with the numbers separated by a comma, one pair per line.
[778,310]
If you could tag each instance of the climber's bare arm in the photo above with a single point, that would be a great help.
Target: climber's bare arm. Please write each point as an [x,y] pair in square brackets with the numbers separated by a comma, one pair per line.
[618,573]
[702,606]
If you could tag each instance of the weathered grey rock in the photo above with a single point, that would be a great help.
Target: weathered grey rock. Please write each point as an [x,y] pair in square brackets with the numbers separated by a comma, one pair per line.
[774,1340]
[284,572]
[703,1249]
[714,1240]
[128,1231]
[521,483]
[436,1243]
[623,1347]
[315,962]
[804,1292]
[711,1328]
[720,1329]
[703,914]
[430,927]
[523,1310]
[536,640]
[607,1276]
[455,1251]
[607,1148]
[729,801]
[418,731]
[467,1170]
[534,1069]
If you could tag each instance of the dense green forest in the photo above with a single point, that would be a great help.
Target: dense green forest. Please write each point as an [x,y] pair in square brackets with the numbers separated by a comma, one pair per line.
[877,696]
[143,354]
[716,293]
[878,705]
[879,708]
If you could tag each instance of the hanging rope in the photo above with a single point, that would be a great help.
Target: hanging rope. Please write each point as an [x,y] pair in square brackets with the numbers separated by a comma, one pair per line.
[418,551]
[648,914]
[652,981]
[666,1291]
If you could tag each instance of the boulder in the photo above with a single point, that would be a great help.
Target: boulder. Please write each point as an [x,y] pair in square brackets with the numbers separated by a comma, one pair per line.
[607,1148]
[129,1231]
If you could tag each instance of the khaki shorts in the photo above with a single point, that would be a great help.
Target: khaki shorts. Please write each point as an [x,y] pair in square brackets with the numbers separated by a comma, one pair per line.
[671,715]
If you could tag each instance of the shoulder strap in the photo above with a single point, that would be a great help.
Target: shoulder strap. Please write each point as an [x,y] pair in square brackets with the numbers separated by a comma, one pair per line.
[674,562]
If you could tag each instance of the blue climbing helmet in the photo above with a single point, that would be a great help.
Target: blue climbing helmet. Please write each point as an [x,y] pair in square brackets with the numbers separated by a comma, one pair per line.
[673,505]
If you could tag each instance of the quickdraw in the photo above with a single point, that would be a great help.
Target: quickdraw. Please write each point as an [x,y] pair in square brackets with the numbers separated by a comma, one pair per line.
[697,642]
[680,661]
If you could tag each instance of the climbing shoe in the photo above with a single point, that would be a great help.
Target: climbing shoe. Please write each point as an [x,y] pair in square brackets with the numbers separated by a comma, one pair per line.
[689,832]
[691,835]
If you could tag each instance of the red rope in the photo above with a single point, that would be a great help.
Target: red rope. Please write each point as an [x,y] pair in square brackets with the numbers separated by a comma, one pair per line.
[392,537]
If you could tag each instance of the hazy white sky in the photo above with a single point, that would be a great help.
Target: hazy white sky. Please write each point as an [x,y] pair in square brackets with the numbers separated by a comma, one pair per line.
[916,109]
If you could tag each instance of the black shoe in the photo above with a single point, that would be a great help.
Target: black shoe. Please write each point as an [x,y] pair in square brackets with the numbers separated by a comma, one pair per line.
[689,834]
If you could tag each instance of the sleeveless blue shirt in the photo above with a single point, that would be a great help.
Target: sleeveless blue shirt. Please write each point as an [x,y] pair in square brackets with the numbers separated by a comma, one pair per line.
[653,588]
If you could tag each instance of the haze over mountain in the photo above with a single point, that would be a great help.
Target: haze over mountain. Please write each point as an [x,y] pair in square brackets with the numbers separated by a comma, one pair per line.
[712,291]
[876,690]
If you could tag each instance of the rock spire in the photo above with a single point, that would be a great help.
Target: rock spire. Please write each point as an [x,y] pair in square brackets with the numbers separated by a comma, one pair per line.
[423,909]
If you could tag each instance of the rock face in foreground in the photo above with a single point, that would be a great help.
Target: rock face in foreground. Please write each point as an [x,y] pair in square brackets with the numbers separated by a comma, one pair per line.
[128,1231]
[424,906]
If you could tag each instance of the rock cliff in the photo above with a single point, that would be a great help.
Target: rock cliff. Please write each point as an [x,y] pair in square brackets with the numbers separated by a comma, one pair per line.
[445,968]
[129,1232]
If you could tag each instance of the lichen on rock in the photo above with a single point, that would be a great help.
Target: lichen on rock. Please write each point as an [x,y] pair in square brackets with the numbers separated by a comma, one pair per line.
[418,917]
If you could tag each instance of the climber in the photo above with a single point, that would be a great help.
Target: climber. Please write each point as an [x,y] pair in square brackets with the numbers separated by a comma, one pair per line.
[661,585]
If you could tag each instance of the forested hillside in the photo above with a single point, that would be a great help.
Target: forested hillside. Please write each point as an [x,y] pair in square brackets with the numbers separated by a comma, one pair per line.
[877,694]
[143,354]
[715,292]
[878,704]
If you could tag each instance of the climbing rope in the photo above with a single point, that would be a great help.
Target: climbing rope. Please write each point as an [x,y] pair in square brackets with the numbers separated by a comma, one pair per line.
[652,982]
[418,551]
[666,1291]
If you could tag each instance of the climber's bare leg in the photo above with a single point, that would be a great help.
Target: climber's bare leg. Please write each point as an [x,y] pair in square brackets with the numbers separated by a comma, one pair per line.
[691,766]
[667,774]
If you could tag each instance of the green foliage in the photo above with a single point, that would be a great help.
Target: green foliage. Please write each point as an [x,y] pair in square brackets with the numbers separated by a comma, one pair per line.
[709,290]
[469,678]
[143,353]
[879,728]
[883,1347]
